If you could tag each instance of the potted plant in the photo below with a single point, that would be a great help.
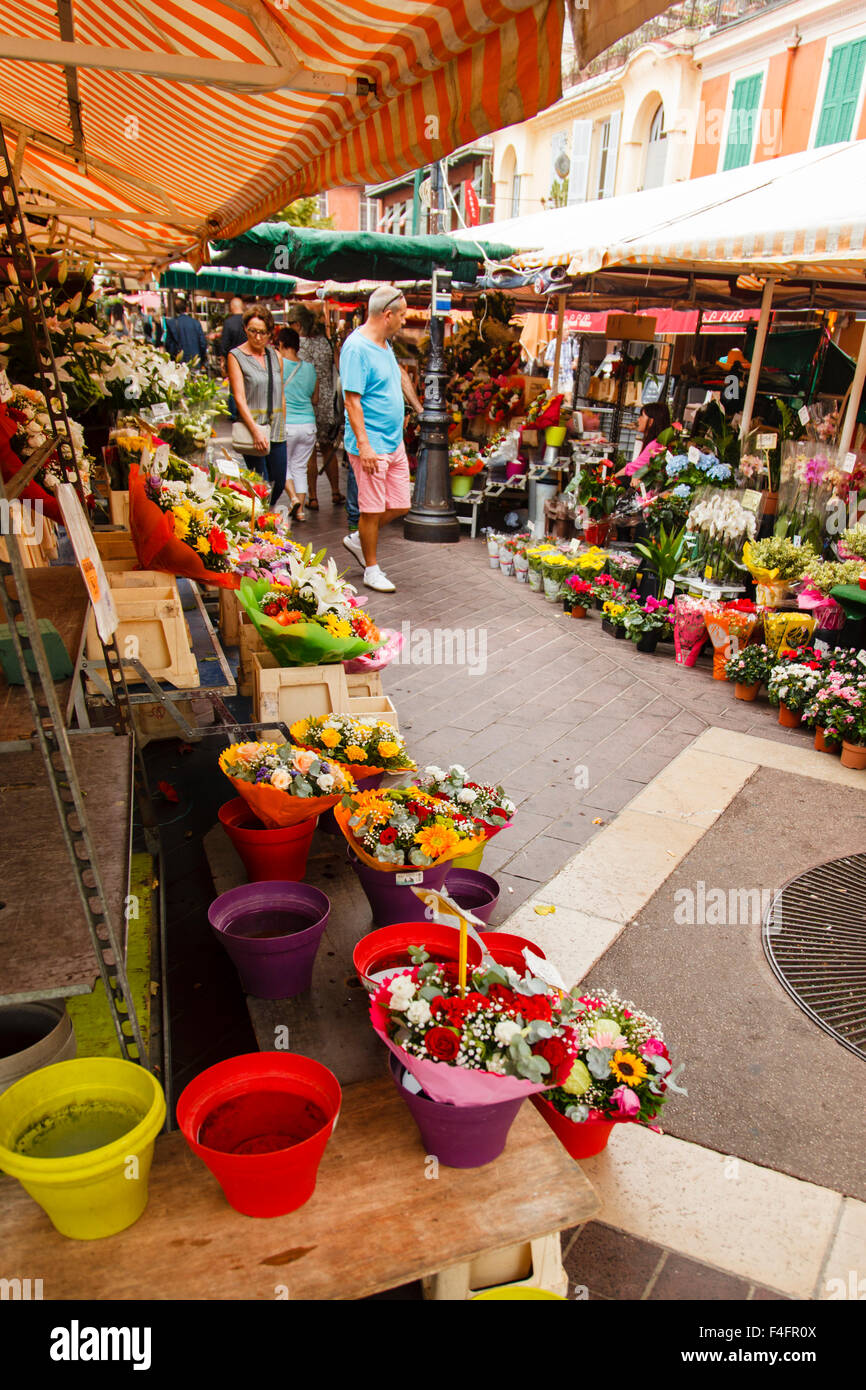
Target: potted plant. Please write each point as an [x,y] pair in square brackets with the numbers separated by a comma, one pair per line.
[622,1072]
[581,594]
[615,615]
[646,623]
[837,713]
[664,554]
[749,669]
[554,568]
[535,555]
[791,686]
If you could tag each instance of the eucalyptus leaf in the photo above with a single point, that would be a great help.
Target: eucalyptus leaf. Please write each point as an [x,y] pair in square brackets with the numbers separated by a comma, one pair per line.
[428,992]
[539,1028]
[598,1060]
[672,1080]
[418,955]
[661,1065]
[577,1113]
[426,971]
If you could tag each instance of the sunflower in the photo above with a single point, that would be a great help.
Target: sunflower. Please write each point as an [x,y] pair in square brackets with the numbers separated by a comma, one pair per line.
[298,730]
[628,1068]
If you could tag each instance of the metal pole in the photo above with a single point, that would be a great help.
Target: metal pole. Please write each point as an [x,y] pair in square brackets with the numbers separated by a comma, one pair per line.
[757,357]
[850,422]
[433,517]
[557,352]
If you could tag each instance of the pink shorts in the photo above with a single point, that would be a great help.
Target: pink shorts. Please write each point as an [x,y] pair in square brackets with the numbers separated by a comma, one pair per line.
[389,487]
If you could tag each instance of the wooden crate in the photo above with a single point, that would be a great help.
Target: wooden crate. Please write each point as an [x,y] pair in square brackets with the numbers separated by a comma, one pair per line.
[229,617]
[288,693]
[379,705]
[118,508]
[37,544]
[151,627]
[153,721]
[364,684]
[249,644]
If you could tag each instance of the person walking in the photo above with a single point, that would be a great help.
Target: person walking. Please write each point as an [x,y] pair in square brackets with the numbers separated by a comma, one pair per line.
[256,382]
[233,335]
[184,334]
[315,348]
[301,389]
[374,386]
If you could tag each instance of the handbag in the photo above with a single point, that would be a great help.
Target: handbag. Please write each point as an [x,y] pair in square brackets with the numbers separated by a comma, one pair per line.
[242,438]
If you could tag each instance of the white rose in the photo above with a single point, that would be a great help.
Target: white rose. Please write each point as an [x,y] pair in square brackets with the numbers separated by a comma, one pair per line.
[505,1031]
[280,779]
[401,990]
[435,772]
[456,770]
[326,781]
[467,795]
[418,1012]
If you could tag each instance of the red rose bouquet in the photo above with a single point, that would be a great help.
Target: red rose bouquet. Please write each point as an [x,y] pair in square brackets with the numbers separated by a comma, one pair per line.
[508,1036]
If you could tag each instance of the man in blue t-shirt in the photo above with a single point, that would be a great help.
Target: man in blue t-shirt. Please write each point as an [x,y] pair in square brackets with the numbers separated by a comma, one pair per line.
[374,385]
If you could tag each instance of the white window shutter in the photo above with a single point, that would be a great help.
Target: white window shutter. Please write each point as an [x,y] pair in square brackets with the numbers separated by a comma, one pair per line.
[612,155]
[581,144]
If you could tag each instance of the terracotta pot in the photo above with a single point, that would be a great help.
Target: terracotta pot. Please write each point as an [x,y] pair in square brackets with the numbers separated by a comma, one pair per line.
[788,718]
[746,692]
[853,755]
[821,743]
[771,503]
[578,612]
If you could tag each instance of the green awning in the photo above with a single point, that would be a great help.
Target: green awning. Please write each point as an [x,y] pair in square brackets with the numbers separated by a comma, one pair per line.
[213,279]
[349,256]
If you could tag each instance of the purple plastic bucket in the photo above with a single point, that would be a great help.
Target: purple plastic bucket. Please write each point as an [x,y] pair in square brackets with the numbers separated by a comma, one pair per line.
[392,902]
[460,1136]
[477,892]
[272,933]
[364,784]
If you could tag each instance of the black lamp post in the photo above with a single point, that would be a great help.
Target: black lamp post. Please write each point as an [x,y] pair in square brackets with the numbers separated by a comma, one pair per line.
[433,517]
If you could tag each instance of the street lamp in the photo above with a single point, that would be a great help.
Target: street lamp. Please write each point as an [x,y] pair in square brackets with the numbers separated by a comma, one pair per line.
[433,517]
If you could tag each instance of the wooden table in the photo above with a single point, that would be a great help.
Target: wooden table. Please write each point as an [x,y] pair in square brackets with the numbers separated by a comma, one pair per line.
[58,593]
[374,1222]
[45,946]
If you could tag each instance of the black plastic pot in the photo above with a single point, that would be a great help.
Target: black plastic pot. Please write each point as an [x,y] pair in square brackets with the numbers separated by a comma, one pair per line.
[608,626]
[619,633]
[647,642]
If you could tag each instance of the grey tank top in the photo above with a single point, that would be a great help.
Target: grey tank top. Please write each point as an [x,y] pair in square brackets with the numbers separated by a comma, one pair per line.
[255,376]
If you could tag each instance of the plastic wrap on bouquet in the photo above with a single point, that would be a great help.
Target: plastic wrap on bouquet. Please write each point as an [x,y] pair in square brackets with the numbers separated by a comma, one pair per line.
[788,631]
[825,610]
[690,628]
[730,629]
[299,644]
[157,546]
[392,644]
[457,1085]
[342,815]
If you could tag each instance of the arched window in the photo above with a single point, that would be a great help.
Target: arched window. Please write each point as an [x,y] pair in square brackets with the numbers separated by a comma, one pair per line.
[657,150]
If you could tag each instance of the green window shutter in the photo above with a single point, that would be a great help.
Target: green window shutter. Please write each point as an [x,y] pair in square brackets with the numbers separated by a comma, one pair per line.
[844,79]
[744,116]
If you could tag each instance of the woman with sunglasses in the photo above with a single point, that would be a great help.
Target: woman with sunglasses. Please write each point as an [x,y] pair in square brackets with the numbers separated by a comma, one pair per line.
[256,381]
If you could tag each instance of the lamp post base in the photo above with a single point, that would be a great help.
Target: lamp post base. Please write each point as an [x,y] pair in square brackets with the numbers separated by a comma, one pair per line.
[441,528]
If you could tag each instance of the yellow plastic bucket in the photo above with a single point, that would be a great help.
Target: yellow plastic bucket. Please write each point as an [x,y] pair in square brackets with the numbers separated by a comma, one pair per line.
[555,435]
[509,1292]
[103,1189]
[469,861]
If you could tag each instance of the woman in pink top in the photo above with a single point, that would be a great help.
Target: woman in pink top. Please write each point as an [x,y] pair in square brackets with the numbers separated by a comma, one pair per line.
[652,421]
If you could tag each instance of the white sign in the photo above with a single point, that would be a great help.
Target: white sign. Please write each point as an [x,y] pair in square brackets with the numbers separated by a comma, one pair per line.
[849,463]
[89,560]
[797,541]
[160,458]
[668,589]
[767,441]
[160,411]
[229,468]
[803,414]
[642,491]
[406,880]
[694,454]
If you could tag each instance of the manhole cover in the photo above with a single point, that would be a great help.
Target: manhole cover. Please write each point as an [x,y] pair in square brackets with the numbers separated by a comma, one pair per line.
[814,937]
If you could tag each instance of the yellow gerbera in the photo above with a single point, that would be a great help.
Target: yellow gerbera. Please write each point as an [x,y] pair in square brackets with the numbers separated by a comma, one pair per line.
[628,1068]
[387,749]
[438,840]
[330,738]
[203,544]
[337,627]
[298,730]
[372,808]
[355,754]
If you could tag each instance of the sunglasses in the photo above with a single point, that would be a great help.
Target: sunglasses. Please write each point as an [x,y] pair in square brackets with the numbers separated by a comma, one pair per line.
[395,300]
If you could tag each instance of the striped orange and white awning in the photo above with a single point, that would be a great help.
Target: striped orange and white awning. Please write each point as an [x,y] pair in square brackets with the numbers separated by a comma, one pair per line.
[145,127]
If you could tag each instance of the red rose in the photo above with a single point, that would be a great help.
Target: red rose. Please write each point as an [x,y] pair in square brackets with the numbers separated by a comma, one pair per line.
[218,541]
[536,1006]
[438,1004]
[556,1053]
[455,1011]
[442,1044]
[388,835]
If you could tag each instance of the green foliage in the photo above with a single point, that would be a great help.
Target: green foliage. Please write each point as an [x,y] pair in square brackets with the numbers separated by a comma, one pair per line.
[302,213]
[663,555]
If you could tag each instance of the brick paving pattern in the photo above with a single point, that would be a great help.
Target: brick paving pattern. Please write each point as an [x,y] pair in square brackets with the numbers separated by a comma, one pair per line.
[609,1264]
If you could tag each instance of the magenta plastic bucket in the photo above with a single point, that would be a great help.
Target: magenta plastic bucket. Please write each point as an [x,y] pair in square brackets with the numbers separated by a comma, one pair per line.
[328,824]
[477,892]
[267,854]
[391,901]
[261,1123]
[272,932]
[460,1136]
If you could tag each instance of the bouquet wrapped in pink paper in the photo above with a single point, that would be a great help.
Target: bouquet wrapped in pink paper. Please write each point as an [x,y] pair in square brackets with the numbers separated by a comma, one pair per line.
[690,627]
[392,643]
[507,1036]
[825,610]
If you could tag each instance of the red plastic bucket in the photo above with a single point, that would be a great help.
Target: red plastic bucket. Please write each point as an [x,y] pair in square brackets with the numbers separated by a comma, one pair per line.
[267,854]
[272,932]
[235,1116]
[388,949]
[580,1140]
[508,950]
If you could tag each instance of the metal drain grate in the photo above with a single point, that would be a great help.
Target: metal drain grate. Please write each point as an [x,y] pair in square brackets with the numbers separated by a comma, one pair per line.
[814,937]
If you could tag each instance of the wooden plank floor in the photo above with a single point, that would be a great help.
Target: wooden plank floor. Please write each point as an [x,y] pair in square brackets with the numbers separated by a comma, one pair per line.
[375,1220]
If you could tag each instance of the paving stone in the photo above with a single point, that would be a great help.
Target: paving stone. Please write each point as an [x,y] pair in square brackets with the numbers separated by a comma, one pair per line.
[610,1263]
[681,1279]
[612,793]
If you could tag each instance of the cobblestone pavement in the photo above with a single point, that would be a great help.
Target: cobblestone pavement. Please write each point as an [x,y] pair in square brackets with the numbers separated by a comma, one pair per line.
[571,721]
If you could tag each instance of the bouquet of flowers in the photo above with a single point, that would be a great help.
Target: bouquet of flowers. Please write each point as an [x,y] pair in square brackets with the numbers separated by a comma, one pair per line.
[590,561]
[508,1036]
[143,374]
[690,627]
[312,618]
[27,410]
[852,543]
[706,468]
[535,556]
[555,567]
[364,744]
[750,665]
[284,785]
[622,1069]
[464,459]
[405,826]
[730,626]
[543,411]
[622,565]
[787,631]
[489,807]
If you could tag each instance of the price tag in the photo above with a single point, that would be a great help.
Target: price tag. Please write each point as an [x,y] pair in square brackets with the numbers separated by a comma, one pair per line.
[715,594]
[160,458]
[751,500]
[604,473]
[861,657]
[5,387]
[767,441]
[406,880]
[160,411]
[797,541]
[708,572]
[694,454]
[821,646]
[642,487]
[229,468]
[668,591]
[849,463]
[669,458]
[803,415]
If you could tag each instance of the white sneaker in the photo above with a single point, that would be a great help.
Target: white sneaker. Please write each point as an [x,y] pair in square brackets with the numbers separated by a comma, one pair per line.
[352,543]
[374,578]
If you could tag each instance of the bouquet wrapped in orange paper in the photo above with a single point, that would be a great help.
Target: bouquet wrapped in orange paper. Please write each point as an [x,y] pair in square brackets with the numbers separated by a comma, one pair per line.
[730,628]
[284,785]
[178,539]
[362,745]
[405,827]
